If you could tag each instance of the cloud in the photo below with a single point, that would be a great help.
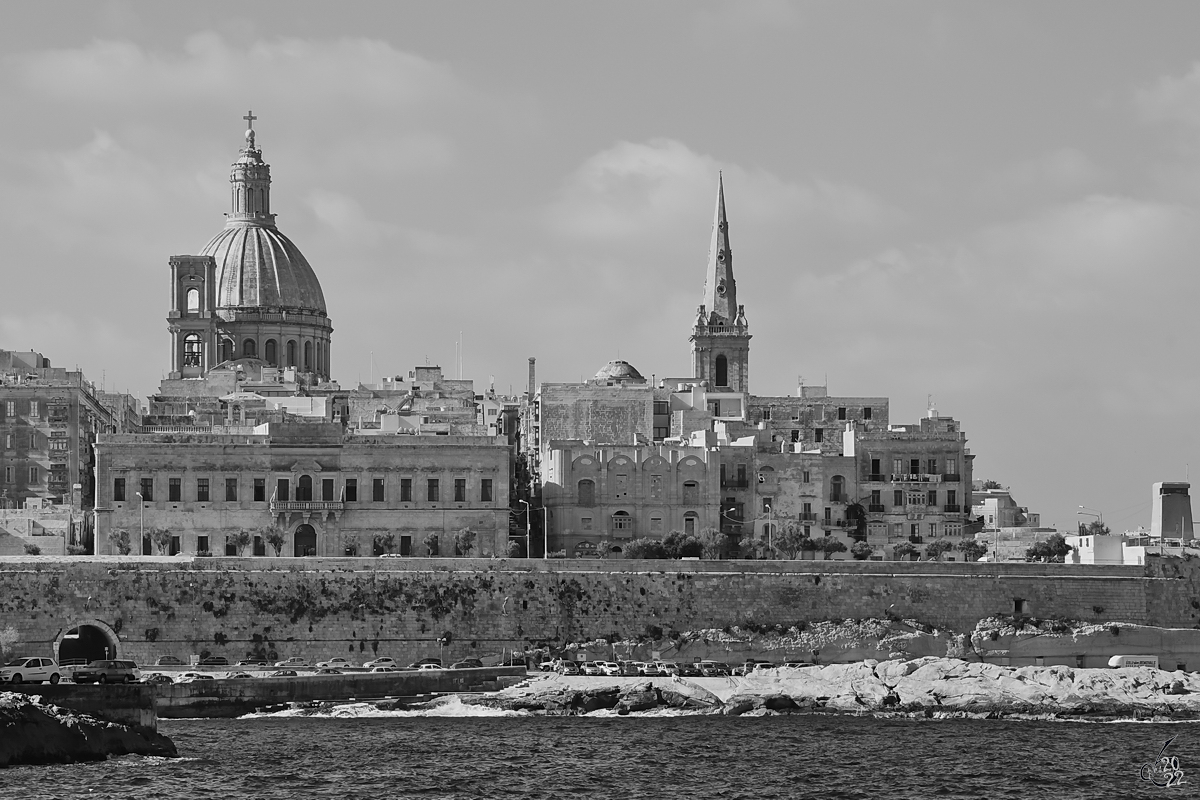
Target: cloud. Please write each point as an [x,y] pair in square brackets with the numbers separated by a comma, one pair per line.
[1063,172]
[1172,98]
[722,22]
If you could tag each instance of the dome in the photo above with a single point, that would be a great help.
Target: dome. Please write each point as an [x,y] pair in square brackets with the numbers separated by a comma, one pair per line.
[259,266]
[619,371]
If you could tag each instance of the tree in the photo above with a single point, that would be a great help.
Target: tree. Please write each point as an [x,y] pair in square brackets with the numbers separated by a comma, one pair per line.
[789,540]
[1054,548]
[645,548]
[972,550]
[683,545]
[903,551]
[273,536]
[32,550]
[861,551]
[935,550]
[432,545]
[464,542]
[119,538]
[240,540]
[161,538]
[830,545]
[713,543]
[515,549]
[991,485]
[1094,528]
[384,542]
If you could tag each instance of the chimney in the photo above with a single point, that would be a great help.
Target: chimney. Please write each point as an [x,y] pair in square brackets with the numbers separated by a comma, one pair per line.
[532,384]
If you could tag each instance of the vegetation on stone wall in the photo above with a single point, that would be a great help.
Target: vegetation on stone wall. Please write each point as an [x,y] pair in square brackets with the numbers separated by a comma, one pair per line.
[861,551]
[161,539]
[32,550]
[432,546]
[464,542]
[8,644]
[935,550]
[904,551]
[384,542]
[240,540]
[273,536]
[972,550]
[119,538]
[1055,548]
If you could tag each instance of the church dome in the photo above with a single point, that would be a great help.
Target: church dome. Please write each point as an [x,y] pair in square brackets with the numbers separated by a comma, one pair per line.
[619,371]
[259,266]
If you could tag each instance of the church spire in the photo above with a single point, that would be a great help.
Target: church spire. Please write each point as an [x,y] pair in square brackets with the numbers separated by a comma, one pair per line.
[720,289]
[250,180]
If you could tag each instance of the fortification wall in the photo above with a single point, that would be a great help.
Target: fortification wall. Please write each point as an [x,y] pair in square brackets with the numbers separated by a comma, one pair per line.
[318,608]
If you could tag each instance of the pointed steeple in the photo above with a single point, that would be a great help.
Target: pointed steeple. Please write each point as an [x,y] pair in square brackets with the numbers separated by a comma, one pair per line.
[720,289]
[250,180]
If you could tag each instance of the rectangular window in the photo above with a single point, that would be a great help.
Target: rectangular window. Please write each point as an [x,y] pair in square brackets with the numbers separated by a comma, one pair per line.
[767,502]
[932,497]
[202,544]
[201,490]
[585,523]
[951,497]
[689,525]
[951,466]
[898,497]
[656,487]
[767,413]
[174,489]
[661,432]
[805,477]
[231,490]
[377,490]
[795,434]
[406,490]
[10,408]
[842,413]
[282,490]
[807,512]
[867,412]
[828,515]
[8,441]
[118,487]
[460,490]
[148,490]
[260,546]
[351,490]
[808,530]
[327,489]
[656,525]
[819,434]
[175,546]
[932,464]
[260,489]
[406,545]
[875,499]
[897,466]
[661,408]
[932,530]
[432,490]
[33,408]
[485,490]
[914,466]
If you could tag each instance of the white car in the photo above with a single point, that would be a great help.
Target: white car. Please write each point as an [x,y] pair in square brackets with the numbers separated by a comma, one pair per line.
[334,663]
[430,666]
[294,661]
[610,668]
[384,669]
[383,661]
[31,670]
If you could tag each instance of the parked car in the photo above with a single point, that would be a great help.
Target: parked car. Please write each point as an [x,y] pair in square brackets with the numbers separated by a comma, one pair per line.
[31,669]
[467,663]
[238,675]
[158,677]
[337,663]
[329,671]
[168,661]
[107,671]
[294,661]
[714,669]
[384,669]
[251,662]
[436,662]
[195,677]
[630,668]
[689,670]
[283,673]
[650,669]
[549,666]
[214,661]
[667,668]
[429,666]
[591,668]
[382,661]
[568,668]
[750,665]
[610,668]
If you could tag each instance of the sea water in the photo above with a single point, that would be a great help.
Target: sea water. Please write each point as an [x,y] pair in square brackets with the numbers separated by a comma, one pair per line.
[456,751]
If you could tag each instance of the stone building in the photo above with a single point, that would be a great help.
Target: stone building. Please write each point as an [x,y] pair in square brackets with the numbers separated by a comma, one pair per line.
[813,464]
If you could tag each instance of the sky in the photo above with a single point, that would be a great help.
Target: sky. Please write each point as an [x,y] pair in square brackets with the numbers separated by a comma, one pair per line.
[995,206]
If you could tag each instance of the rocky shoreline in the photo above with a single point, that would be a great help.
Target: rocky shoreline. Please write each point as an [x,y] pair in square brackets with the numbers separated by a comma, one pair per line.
[32,732]
[928,687]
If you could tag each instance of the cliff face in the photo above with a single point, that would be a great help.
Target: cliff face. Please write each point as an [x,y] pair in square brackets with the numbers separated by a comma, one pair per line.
[31,733]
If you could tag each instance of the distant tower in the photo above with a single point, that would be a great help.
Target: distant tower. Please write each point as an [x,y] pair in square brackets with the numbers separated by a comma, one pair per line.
[1171,511]
[721,337]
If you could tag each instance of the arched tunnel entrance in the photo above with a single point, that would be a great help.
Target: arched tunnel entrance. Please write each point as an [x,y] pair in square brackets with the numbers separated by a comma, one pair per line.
[86,642]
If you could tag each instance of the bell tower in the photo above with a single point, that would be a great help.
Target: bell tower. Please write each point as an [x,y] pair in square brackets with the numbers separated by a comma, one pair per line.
[192,320]
[721,336]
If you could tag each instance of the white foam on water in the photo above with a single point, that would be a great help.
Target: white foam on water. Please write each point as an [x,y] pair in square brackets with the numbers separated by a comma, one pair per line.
[442,707]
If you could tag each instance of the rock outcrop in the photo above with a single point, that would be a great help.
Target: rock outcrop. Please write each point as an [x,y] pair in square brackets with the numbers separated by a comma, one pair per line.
[32,733]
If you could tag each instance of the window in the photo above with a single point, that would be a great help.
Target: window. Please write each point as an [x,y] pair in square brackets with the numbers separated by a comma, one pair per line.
[8,441]
[656,487]
[192,350]
[291,353]
[932,530]
[951,497]
[193,301]
[897,466]
[805,477]
[914,466]
[201,490]
[406,490]
[282,490]
[842,413]
[691,493]
[33,408]
[118,486]
[326,489]
[828,515]
[270,351]
[622,521]
[898,497]
[722,371]
[837,489]
[932,498]
[767,413]
[662,408]
[795,434]
[10,408]
[260,489]
[951,466]
[231,490]
[767,503]
[585,523]
[587,493]
[689,523]
[148,490]
[433,490]
[201,544]
[175,546]
[304,489]
[351,490]
[33,474]
[867,412]
[249,348]
[808,530]
[174,489]
[485,490]
[656,525]
[819,434]
[932,466]
[876,502]
[308,356]
[377,490]
[460,490]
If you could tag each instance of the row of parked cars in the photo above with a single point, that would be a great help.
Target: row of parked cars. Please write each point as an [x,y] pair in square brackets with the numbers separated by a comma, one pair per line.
[33,669]
[660,669]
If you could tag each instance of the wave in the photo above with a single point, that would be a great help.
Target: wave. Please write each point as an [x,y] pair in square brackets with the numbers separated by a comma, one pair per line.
[451,706]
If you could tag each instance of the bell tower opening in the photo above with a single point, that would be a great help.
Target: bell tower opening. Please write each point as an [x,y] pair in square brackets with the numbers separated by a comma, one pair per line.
[722,371]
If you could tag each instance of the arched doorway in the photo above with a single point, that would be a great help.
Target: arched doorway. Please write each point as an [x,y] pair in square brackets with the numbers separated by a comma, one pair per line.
[88,641]
[306,541]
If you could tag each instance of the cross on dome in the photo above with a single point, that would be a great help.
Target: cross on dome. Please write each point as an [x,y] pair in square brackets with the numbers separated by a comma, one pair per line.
[250,130]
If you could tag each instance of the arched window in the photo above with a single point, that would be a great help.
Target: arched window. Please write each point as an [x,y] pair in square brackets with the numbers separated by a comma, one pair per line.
[269,350]
[320,357]
[193,301]
[249,348]
[587,493]
[304,489]
[308,356]
[192,350]
[722,371]
[291,353]
[837,489]
[227,349]
[621,521]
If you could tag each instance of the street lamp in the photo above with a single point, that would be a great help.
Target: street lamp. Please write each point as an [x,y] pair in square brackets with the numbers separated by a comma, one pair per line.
[1091,512]
[141,519]
[545,533]
[528,514]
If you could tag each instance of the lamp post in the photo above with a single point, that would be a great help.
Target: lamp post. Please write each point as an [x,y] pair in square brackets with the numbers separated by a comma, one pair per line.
[141,520]
[770,530]
[528,514]
[545,533]
[1091,512]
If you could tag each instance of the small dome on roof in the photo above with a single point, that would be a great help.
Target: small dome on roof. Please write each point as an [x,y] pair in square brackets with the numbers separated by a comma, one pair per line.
[619,371]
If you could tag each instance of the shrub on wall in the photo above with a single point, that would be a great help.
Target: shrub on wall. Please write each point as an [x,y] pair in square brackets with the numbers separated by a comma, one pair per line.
[119,538]
[861,551]
[432,545]
[645,548]
[464,542]
[515,549]
[32,550]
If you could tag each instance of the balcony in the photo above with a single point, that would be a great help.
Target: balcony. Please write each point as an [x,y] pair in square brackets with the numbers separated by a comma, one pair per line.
[806,516]
[306,505]
[915,477]
[915,539]
[951,477]
[952,508]
[876,508]
[877,477]
[735,483]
